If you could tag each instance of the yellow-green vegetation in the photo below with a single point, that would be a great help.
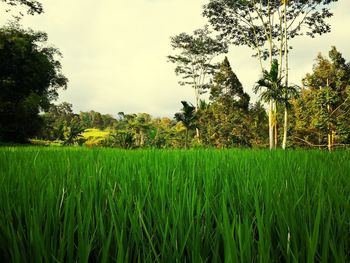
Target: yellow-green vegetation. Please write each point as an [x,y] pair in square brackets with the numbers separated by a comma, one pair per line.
[45,142]
[94,137]
[107,205]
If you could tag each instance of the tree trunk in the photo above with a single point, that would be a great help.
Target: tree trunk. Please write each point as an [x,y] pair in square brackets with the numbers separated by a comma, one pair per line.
[271,142]
[197,108]
[285,128]
[329,141]
[198,135]
[330,132]
[319,141]
[142,139]
[275,123]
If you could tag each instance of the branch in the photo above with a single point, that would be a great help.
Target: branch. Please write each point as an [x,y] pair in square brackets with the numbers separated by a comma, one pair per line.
[311,144]
[341,145]
[340,106]
[302,21]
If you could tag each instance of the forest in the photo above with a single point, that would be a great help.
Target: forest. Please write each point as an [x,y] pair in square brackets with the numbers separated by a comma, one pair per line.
[313,114]
[228,120]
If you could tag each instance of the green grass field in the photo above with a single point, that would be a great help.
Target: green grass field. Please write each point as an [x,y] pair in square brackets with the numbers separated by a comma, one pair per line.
[106,205]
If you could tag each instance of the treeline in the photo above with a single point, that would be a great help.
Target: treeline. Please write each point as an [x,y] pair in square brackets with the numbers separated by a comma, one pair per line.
[131,131]
[228,120]
[30,76]
[319,115]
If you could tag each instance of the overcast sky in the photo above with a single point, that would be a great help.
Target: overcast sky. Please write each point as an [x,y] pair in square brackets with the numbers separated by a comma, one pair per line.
[115,51]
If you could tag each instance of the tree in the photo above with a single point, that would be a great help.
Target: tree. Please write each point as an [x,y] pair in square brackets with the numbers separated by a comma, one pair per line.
[288,93]
[140,125]
[194,62]
[85,119]
[224,125]
[327,90]
[56,120]
[30,76]
[224,122]
[121,139]
[108,121]
[73,133]
[33,6]
[160,132]
[271,84]
[263,25]
[97,120]
[274,90]
[266,27]
[187,116]
[258,127]
[227,87]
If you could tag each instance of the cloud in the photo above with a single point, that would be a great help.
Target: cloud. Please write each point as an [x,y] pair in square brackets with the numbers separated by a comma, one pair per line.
[115,51]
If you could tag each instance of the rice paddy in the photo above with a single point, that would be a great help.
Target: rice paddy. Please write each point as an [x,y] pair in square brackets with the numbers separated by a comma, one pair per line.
[106,205]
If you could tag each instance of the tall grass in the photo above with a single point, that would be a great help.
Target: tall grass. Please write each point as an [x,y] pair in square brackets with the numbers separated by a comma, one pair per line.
[105,205]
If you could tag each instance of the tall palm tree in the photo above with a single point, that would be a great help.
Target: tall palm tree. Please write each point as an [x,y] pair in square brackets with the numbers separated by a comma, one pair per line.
[187,116]
[274,90]
[270,87]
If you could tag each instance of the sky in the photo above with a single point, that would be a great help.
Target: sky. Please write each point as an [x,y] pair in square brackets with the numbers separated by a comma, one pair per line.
[114,51]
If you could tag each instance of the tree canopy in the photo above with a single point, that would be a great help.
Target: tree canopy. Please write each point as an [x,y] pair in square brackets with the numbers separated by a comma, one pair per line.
[194,61]
[322,112]
[226,86]
[32,6]
[258,24]
[30,76]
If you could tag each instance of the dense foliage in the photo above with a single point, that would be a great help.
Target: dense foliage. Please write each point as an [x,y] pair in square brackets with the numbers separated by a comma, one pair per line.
[228,119]
[30,76]
[322,113]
